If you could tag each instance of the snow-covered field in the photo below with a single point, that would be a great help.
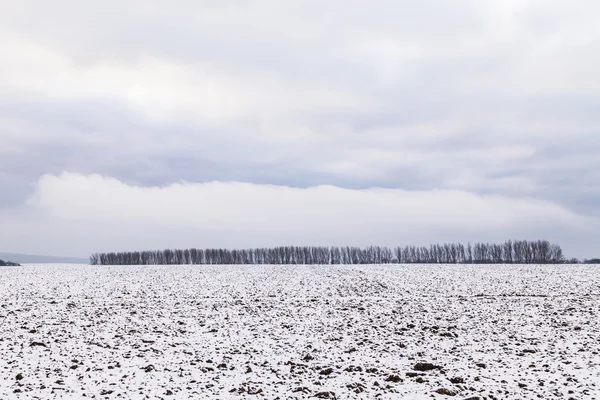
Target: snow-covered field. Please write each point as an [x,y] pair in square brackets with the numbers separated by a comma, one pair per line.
[292,332]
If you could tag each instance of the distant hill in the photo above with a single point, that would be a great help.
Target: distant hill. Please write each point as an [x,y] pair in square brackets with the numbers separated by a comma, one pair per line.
[37,259]
[8,264]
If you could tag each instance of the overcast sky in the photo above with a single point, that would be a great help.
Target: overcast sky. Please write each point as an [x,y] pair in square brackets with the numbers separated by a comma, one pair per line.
[233,123]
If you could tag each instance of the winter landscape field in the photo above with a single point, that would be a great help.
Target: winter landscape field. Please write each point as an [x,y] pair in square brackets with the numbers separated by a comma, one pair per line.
[295,332]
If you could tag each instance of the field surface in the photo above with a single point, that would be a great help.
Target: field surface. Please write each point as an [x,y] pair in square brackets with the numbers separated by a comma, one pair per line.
[295,332]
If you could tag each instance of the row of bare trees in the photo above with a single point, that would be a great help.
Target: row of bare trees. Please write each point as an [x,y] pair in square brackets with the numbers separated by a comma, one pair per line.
[510,252]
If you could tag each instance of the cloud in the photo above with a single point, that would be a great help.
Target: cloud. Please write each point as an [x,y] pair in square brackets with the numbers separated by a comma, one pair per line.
[496,100]
[88,213]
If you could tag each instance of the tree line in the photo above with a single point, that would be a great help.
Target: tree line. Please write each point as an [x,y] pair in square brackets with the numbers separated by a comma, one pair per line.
[8,264]
[509,252]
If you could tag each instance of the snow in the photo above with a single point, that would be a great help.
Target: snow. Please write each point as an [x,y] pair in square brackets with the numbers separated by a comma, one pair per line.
[293,332]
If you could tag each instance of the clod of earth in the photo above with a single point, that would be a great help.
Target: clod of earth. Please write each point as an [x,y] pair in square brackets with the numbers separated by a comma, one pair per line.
[356,387]
[394,379]
[325,395]
[446,392]
[424,367]
[304,390]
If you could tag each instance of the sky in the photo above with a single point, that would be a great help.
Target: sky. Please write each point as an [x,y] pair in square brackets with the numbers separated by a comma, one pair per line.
[130,124]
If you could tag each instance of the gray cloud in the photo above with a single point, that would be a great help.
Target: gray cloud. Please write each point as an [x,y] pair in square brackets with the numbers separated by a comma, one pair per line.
[487,98]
